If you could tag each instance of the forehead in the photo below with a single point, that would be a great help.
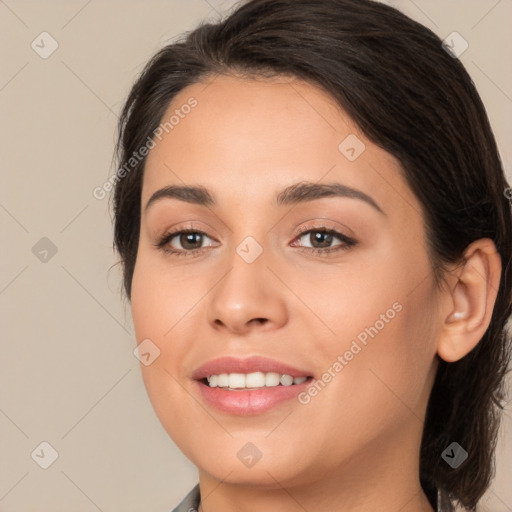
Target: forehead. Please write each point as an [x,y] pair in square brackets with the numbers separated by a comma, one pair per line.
[248,137]
[256,119]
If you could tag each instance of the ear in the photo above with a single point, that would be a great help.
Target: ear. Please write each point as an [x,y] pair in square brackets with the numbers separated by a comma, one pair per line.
[469,299]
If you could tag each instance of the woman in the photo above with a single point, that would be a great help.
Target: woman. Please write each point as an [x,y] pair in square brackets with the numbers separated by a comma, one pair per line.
[315,238]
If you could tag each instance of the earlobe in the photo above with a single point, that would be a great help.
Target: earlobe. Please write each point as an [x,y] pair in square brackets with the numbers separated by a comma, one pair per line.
[469,300]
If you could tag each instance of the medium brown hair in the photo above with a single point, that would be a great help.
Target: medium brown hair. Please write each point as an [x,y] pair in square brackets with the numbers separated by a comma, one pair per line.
[414,100]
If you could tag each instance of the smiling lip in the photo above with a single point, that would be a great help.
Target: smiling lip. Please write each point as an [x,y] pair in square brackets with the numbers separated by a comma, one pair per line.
[245,402]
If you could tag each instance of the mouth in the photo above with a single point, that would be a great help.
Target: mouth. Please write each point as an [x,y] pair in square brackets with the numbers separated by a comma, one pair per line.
[249,386]
[254,380]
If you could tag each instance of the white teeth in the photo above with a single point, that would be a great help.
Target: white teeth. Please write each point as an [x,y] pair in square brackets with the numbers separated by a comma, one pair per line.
[236,380]
[286,380]
[255,380]
[252,380]
[272,379]
[222,380]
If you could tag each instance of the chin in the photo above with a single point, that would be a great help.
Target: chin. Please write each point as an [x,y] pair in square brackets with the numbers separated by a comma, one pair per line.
[260,462]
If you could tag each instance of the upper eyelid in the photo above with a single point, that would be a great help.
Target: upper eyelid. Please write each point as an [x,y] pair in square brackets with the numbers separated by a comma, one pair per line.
[326,226]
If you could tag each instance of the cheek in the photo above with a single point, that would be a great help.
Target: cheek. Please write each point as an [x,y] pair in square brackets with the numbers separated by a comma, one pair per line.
[389,356]
[380,386]
[384,323]
[166,307]
[162,297]
[159,308]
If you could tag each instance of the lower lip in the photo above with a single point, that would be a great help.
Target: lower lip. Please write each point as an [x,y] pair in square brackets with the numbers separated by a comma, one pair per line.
[249,402]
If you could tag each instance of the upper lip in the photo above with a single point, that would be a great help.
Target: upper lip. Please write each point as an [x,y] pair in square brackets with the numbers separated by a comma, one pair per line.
[230,364]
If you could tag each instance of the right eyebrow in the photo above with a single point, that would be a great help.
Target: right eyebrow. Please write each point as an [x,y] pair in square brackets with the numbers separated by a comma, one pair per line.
[190,194]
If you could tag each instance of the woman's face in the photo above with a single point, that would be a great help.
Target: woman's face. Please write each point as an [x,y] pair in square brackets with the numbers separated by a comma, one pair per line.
[353,311]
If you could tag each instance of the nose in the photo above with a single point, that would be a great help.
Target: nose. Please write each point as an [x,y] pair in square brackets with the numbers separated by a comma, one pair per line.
[248,297]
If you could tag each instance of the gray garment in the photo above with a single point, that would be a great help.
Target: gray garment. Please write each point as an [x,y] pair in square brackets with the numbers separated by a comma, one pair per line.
[191,502]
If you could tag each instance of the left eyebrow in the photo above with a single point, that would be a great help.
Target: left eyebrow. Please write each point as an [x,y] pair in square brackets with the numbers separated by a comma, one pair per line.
[308,191]
[293,194]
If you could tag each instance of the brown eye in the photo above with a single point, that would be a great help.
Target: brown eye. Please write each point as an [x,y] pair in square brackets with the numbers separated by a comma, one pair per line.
[183,242]
[321,239]
[190,240]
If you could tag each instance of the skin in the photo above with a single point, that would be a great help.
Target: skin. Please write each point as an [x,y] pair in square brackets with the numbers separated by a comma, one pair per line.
[355,445]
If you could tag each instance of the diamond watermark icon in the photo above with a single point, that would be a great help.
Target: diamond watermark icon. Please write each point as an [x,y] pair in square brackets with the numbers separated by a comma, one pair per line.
[249,249]
[146,352]
[44,45]
[249,454]
[351,147]
[454,455]
[455,45]
[44,250]
[44,455]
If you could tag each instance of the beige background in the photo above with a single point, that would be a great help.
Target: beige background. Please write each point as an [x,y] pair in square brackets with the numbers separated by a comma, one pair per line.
[68,375]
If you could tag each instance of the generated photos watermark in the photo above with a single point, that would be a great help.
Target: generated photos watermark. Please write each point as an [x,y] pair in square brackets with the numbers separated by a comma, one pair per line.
[343,360]
[139,155]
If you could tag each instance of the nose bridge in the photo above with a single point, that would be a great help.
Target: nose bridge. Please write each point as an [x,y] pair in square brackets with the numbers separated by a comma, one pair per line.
[248,291]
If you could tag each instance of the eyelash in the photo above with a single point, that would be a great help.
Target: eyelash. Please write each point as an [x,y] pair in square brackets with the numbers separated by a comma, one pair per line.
[163,242]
